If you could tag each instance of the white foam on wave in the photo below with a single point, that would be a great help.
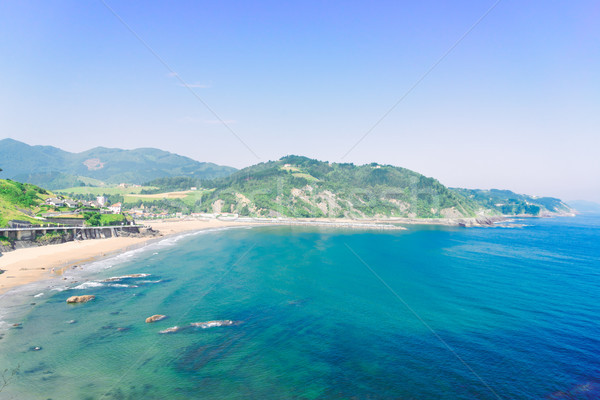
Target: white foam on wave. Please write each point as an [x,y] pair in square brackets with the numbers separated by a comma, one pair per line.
[172,329]
[39,295]
[121,285]
[212,324]
[87,285]
[120,278]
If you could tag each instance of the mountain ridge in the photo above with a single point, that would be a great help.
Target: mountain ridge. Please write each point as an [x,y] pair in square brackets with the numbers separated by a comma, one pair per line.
[55,168]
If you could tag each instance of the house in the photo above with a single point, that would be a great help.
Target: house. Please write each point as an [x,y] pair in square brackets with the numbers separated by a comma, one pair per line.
[53,201]
[90,204]
[101,200]
[71,203]
[115,208]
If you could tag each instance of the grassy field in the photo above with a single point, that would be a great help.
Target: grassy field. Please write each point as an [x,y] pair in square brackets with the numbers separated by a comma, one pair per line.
[8,212]
[187,196]
[18,201]
[305,176]
[99,191]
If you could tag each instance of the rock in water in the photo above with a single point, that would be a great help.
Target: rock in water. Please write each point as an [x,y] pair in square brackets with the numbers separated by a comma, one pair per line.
[81,299]
[155,318]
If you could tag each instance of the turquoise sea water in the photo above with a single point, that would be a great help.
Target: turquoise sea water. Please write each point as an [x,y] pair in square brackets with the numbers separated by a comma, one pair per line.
[426,313]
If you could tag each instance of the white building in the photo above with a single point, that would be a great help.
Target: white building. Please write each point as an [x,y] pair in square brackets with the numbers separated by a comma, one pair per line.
[101,200]
[115,208]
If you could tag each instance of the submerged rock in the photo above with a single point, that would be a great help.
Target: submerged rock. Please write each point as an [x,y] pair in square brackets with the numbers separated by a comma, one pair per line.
[154,318]
[81,299]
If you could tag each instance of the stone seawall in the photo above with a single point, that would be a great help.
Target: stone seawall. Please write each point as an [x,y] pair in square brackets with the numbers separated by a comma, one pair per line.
[42,236]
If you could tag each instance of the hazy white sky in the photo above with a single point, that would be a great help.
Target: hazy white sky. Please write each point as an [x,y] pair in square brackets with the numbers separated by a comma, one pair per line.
[515,104]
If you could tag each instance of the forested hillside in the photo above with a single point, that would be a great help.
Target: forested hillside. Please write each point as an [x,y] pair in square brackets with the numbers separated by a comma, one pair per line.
[54,168]
[297,186]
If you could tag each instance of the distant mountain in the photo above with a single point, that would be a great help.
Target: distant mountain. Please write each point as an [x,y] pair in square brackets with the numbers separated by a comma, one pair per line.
[509,203]
[585,207]
[297,186]
[54,168]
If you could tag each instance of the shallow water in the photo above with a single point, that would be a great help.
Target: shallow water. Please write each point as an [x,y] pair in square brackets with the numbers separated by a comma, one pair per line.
[428,313]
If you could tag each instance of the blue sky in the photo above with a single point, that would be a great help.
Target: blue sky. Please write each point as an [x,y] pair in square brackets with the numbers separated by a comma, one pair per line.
[514,105]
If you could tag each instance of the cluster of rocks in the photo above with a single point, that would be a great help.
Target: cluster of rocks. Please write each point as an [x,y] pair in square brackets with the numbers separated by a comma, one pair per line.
[142,233]
[479,221]
[158,317]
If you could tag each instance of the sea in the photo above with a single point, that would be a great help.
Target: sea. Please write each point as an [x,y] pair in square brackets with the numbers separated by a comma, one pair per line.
[300,312]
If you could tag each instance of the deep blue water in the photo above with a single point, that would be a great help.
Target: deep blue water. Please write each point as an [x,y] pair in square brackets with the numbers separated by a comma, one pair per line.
[426,313]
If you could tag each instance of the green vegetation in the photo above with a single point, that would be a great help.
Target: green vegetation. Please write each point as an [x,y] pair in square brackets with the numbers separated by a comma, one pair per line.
[102,191]
[49,236]
[293,186]
[4,241]
[21,194]
[55,168]
[297,186]
[171,184]
[96,219]
[509,203]
[19,201]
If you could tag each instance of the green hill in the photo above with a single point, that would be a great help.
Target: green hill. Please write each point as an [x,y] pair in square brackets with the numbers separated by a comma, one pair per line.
[19,201]
[54,168]
[509,203]
[297,186]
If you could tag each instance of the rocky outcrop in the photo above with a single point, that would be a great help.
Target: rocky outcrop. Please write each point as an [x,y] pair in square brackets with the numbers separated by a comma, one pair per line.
[154,318]
[138,232]
[31,238]
[479,221]
[81,299]
[5,247]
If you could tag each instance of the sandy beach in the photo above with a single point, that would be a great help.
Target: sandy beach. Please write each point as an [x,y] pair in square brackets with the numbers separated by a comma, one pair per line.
[23,266]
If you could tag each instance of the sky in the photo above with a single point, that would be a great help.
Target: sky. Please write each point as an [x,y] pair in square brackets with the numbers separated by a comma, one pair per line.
[486,94]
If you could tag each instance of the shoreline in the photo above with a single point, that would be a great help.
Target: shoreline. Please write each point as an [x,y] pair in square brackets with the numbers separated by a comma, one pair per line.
[34,264]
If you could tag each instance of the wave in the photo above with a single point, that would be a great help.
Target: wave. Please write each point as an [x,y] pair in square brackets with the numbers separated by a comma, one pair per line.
[120,278]
[122,285]
[212,324]
[172,329]
[202,325]
[87,285]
